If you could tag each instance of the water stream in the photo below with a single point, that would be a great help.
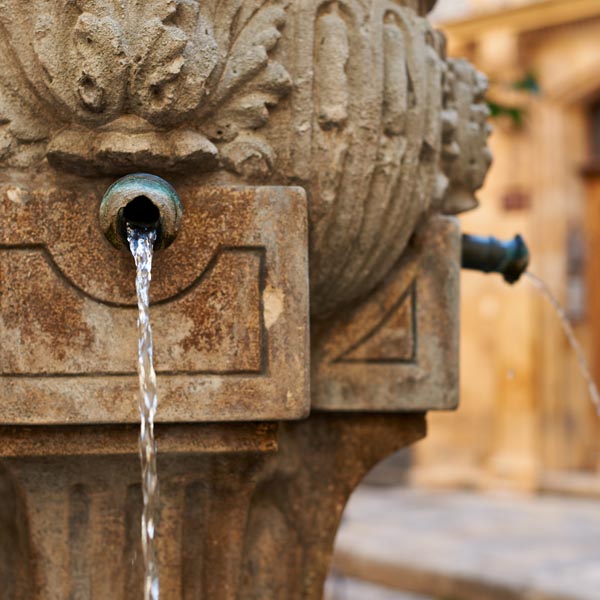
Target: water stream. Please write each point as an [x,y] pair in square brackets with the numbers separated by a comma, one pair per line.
[141,244]
[541,285]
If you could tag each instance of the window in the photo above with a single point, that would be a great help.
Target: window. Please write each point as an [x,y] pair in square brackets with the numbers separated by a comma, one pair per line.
[594,125]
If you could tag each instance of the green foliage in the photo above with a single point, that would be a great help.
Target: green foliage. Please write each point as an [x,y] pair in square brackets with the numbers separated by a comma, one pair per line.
[528,83]
[516,114]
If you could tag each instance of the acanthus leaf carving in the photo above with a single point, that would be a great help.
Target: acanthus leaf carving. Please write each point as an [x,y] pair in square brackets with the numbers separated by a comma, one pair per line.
[159,84]
[249,85]
[101,84]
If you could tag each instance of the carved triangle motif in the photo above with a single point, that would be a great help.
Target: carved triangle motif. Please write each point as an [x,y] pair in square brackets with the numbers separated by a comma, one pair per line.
[393,339]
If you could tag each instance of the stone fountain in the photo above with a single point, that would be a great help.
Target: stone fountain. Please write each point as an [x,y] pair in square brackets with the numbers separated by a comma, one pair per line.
[305,317]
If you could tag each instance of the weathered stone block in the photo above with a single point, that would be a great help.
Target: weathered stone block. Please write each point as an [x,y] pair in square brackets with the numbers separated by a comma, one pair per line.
[398,349]
[230,309]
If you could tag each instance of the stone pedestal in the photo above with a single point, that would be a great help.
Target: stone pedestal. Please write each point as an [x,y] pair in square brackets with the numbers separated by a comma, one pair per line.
[247,511]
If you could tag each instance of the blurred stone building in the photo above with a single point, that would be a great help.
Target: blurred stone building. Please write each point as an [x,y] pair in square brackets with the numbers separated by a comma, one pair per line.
[525,418]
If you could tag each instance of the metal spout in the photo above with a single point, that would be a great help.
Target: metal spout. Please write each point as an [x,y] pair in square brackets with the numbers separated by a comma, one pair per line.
[490,255]
[143,201]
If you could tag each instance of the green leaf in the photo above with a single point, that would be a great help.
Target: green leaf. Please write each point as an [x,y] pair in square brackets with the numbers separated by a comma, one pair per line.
[514,113]
[529,83]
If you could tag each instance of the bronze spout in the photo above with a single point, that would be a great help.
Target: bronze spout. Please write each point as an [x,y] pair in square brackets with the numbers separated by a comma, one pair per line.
[143,201]
[489,255]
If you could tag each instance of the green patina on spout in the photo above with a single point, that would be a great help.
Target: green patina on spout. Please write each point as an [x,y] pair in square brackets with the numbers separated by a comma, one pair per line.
[143,201]
[489,255]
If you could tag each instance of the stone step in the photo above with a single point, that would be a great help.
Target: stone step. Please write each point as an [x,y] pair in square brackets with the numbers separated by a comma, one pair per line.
[339,587]
[472,546]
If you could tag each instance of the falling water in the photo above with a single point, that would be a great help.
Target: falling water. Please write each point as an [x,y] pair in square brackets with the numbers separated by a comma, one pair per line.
[141,243]
[566,325]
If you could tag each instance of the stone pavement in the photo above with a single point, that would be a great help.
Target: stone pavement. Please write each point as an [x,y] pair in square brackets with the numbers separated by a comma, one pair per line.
[343,588]
[470,546]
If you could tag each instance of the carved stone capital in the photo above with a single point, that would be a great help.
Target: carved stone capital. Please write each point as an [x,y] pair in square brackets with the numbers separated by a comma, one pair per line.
[345,98]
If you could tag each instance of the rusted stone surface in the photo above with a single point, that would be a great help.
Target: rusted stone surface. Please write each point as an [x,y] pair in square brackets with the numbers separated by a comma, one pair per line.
[398,349]
[230,309]
[253,522]
[100,440]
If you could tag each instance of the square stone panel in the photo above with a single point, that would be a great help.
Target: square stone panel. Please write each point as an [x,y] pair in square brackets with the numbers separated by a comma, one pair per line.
[229,309]
[398,349]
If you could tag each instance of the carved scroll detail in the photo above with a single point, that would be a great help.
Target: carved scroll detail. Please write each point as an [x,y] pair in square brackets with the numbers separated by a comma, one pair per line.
[466,157]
